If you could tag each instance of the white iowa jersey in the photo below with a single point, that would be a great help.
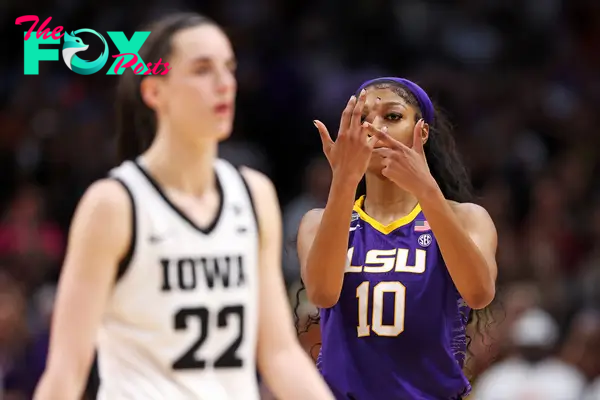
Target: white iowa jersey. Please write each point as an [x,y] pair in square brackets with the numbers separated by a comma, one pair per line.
[182,320]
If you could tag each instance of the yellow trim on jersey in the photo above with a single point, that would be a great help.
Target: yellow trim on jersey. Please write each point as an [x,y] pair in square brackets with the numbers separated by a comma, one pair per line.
[385,229]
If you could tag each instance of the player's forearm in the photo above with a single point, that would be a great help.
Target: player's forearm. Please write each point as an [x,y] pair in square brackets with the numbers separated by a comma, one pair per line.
[291,375]
[465,262]
[328,254]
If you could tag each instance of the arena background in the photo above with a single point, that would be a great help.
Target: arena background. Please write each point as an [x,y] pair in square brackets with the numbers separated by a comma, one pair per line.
[519,79]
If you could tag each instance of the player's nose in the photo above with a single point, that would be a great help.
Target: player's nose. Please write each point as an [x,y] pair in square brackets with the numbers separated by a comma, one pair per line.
[225,82]
[376,121]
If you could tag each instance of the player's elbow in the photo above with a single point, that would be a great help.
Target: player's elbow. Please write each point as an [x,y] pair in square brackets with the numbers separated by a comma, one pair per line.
[322,296]
[322,287]
[58,385]
[62,380]
[480,298]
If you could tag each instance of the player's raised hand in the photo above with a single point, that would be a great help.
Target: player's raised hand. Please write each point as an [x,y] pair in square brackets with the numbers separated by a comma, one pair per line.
[349,155]
[403,165]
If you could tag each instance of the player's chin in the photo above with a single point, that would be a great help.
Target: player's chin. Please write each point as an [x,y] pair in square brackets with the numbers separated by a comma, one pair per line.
[224,129]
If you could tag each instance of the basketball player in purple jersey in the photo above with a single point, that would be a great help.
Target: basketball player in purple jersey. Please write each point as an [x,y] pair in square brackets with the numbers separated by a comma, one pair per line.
[396,273]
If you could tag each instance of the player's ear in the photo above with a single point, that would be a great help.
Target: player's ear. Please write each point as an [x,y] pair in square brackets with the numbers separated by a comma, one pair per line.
[150,91]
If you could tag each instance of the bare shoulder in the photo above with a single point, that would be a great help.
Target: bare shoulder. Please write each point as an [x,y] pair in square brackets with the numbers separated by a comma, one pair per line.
[260,184]
[471,213]
[109,195]
[100,234]
[311,220]
[104,213]
[309,225]
[468,209]
[307,231]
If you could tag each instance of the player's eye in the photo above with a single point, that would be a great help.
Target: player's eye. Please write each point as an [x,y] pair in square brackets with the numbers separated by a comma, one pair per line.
[393,117]
[202,69]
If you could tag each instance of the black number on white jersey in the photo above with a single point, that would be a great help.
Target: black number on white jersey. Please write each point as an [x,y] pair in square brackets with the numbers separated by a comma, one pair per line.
[229,358]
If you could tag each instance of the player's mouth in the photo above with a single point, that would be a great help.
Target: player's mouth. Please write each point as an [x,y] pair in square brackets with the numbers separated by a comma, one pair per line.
[223,109]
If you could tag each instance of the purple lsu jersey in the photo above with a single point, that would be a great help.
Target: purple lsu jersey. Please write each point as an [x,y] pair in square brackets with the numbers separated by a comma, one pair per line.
[398,330]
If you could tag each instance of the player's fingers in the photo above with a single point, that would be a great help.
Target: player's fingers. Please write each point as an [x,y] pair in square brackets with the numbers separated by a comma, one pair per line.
[385,171]
[383,136]
[357,113]
[385,153]
[324,134]
[372,141]
[373,111]
[347,115]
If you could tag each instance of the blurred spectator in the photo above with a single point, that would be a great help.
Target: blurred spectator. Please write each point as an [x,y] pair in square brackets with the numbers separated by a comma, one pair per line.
[28,240]
[520,84]
[593,392]
[317,179]
[589,279]
[490,340]
[582,344]
[21,361]
[531,371]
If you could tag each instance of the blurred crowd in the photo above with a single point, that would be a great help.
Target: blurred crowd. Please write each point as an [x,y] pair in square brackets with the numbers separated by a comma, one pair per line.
[519,79]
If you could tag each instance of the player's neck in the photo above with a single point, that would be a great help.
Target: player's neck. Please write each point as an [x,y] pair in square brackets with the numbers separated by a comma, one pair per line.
[385,201]
[185,167]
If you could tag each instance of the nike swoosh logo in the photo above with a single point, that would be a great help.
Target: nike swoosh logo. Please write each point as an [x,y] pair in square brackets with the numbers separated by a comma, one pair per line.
[156,239]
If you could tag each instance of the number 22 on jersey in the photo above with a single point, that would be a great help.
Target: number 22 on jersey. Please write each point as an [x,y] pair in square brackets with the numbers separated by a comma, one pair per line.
[229,357]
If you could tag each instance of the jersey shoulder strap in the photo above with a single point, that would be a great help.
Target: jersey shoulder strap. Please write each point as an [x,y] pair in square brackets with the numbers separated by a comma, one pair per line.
[236,189]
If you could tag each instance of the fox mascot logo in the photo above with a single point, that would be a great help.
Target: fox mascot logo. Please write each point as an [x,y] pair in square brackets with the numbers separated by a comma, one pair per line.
[73,44]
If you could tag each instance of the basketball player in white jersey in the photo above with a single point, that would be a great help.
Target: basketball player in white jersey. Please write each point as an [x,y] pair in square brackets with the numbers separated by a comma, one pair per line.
[173,268]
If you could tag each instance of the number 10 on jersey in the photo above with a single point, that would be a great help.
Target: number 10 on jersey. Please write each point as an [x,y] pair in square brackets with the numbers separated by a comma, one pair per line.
[398,291]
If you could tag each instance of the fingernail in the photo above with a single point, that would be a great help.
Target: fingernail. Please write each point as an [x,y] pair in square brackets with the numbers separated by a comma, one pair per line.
[363,92]
[315,123]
